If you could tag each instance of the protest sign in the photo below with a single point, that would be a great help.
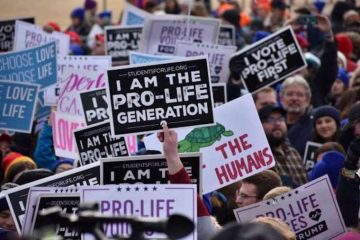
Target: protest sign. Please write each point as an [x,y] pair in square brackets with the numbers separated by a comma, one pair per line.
[147,169]
[219,93]
[137,57]
[119,40]
[42,114]
[310,154]
[133,15]
[94,106]
[35,65]
[51,95]
[234,149]
[141,96]
[74,81]
[268,60]
[311,211]
[161,33]
[28,35]
[96,142]
[218,57]
[88,175]
[68,203]
[139,200]
[17,105]
[226,35]
[63,127]
[7,32]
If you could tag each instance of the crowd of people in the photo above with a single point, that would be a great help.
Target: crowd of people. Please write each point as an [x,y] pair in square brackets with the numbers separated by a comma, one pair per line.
[319,103]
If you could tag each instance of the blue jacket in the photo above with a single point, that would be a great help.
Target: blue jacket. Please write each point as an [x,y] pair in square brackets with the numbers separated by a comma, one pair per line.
[44,154]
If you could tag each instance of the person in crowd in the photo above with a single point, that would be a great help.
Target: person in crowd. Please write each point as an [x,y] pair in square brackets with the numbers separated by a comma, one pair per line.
[276,18]
[279,225]
[327,147]
[326,124]
[33,175]
[355,79]
[90,7]
[232,16]
[288,161]
[265,96]
[14,165]
[6,220]
[352,128]
[172,7]
[346,47]
[62,165]
[5,143]
[78,24]
[275,192]
[340,85]
[347,101]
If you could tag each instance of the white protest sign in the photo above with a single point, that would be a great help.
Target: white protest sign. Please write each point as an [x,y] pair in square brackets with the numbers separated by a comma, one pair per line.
[235,148]
[64,126]
[137,58]
[161,33]
[311,211]
[218,57]
[133,15]
[74,81]
[142,200]
[28,35]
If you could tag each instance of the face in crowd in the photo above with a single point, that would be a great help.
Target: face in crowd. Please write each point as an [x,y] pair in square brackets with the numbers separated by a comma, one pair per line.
[325,127]
[295,99]
[6,220]
[265,98]
[275,128]
[246,195]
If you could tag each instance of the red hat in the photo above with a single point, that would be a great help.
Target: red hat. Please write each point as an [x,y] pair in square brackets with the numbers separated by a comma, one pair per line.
[303,42]
[100,38]
[54,26]
[5,138]
[344,44]
[8,159]
[74,37]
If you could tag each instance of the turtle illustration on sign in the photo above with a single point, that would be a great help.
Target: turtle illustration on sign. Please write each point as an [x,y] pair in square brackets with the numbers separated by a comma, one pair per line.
[203,137]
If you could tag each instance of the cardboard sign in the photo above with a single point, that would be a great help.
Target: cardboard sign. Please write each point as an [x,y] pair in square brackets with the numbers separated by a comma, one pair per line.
[75,81]
[137,57]
[234,149]
[82,176]
[226,35]
[148,201]
[147,169]
[96,142]
[63,127]
[161,33]
[219,94]
[311,211]
[218,57]
[35,65]
[269,60]
[17,104]
[141,96]
[94,106]
[7,32]
[133,15]
[120,40]
[309,156]
[28,35]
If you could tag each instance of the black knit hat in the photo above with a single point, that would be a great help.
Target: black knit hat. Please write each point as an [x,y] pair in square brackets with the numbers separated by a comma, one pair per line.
[328,111]
[265,112]
[33,175]
[354,112]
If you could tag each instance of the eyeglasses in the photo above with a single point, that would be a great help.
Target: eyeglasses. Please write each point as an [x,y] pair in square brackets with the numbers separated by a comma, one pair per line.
[243,195]
[297,94]
[273,120]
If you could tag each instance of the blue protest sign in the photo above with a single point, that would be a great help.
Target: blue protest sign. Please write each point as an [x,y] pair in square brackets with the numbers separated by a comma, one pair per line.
[17,104]
[137,57]
[35,65]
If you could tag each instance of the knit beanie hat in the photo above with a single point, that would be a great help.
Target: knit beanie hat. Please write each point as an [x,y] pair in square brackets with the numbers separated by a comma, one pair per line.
[327,111]
[344,44]
[33,175]
[343,76]
[90,4]
[62,161]
[78,13]
[8,158]
[17,160]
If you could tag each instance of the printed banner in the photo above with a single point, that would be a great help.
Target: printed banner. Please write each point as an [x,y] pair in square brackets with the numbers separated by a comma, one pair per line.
[137,57]
[96,142]
[35,65]
[133,15]
[75,81]
[94,106]
[147,201]
[17,105]
[218,57]
[161,33]
[51,95]
[219,94]
[147,169]
[269,60]
[310,154]
[88,175]
[7,32]
[226,35]
[311,211]
[234,149]
[120,40]
[63,127]
[28,35]
[141,96]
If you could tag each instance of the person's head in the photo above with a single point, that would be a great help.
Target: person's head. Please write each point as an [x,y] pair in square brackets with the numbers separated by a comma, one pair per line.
[355,78]
[33,175]
[248,231]
[104,18]
[354,119]
[77,16]
[341,83]
[231,16]
[278,225]
[99,46]
[347,100]
[6,220]
[275,192]
[91,6]
[273,122]
[326,124]
[5,143]
[172,7]
[16,167]
[63,165]
[295,95]
[264,97]
[254,188]
[278,8]
[326,147]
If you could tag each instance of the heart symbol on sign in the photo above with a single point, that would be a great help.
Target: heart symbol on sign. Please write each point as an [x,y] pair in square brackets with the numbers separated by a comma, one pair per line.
[218,69]
[315,215]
